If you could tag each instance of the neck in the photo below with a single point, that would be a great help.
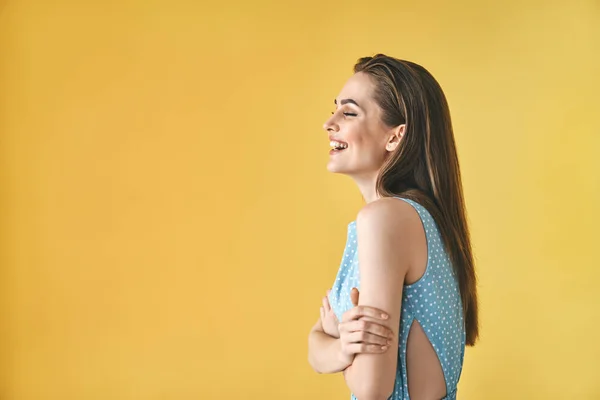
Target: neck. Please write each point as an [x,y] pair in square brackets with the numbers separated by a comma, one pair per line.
[366,185]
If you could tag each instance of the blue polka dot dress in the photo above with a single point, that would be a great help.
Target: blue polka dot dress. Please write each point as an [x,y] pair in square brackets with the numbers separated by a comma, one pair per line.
[434,301]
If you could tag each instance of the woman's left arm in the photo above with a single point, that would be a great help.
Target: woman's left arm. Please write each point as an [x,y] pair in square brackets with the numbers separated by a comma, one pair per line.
[383,229]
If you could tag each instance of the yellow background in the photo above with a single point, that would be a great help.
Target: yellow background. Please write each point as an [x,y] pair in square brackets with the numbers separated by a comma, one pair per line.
[168,227]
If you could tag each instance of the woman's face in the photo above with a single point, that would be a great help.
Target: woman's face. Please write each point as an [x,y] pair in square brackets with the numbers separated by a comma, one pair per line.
[360,140]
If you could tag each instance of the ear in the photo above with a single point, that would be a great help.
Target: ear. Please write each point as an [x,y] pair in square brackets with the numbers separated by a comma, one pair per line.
[395,137]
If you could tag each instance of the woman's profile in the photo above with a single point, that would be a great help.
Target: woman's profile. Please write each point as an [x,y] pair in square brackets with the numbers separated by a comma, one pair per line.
[404,303]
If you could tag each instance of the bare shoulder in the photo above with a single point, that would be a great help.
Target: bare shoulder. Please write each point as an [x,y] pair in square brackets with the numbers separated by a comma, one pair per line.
[390,240]
[389,216]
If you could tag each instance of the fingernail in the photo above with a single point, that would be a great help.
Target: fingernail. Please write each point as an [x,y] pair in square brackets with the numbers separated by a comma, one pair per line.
[384,348]
[384,316]
[389,342]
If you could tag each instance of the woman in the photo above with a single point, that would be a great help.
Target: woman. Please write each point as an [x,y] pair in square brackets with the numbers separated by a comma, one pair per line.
[408,251]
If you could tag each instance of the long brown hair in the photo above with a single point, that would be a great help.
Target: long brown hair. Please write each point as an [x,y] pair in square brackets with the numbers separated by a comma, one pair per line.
[425,165]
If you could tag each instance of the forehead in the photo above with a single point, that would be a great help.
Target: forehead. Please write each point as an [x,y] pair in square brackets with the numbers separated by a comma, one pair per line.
[358,87]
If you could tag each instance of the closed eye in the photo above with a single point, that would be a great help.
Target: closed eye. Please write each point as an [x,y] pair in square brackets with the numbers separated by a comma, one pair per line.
[347,114]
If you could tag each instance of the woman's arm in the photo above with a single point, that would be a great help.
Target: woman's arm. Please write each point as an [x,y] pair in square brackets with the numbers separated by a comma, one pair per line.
[324,351]
[328,354]
[383,231]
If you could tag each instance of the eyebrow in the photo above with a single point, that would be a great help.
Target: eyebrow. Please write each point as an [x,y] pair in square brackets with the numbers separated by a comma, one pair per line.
[346,101]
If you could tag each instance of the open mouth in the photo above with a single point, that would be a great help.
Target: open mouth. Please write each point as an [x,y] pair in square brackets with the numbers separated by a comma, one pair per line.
[337,146]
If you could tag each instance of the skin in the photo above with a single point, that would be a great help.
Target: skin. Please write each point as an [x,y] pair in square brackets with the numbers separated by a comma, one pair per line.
[392,252]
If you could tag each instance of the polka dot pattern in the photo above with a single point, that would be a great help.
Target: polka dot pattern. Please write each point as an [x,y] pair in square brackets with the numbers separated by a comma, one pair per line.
[433,301]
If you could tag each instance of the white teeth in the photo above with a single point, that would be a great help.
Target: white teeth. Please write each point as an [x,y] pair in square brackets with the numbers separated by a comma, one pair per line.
[337,145]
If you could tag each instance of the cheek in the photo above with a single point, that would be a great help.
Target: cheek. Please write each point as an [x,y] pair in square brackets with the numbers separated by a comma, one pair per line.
[370,150]
[353,137]
[358,137]
[365,143]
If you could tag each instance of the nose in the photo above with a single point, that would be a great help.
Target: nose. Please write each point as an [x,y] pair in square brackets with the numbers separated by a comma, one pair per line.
[330,125]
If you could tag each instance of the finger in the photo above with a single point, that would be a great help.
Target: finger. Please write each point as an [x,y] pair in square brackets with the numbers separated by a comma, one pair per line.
[356,348]
[327,301]
[364,311]
[368,327]
[326,306]
[331,314]
[368,338]
[354,296]
[322,313]
[334,317]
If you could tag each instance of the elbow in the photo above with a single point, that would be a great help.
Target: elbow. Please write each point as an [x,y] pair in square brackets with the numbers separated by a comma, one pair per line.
[372,392]
[313,365]
[373,386]
[372,396]
[311,355]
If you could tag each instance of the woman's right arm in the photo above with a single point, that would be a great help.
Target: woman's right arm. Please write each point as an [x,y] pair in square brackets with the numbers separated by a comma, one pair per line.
[328,355]
[325,352]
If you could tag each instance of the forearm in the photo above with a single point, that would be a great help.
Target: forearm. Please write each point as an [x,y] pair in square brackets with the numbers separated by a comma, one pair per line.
[324,353]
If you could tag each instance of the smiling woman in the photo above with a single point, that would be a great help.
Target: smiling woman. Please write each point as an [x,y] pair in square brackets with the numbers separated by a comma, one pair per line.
[408,251]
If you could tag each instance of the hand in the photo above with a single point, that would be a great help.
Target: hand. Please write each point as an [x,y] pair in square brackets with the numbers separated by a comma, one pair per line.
[328,319]
[363,330]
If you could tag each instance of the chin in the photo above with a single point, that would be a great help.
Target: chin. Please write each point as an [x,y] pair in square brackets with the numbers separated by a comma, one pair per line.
[331,167]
